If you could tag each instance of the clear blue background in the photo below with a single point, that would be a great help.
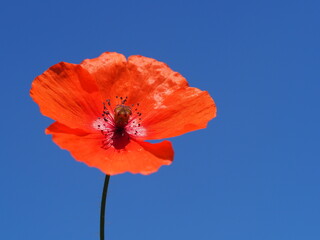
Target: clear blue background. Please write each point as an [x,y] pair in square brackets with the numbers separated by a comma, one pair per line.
[252,174]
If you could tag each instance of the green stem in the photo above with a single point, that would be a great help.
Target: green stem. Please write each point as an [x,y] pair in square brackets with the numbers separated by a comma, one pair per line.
[103,206]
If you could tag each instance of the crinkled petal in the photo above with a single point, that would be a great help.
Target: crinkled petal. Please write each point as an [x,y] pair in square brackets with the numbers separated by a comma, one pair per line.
[110,72]
[139,78]
[186,110]
[136,157]
[168,105]
[68,94]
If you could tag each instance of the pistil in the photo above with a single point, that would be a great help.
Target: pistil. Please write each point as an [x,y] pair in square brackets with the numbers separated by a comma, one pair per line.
[122,114]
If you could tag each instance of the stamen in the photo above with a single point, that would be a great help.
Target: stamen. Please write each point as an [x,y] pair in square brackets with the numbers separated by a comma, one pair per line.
[119,124]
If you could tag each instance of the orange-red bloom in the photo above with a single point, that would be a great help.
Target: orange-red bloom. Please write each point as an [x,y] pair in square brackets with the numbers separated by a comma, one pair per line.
[105,108]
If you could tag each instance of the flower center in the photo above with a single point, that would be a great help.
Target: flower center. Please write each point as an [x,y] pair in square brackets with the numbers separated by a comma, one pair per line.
[119,123]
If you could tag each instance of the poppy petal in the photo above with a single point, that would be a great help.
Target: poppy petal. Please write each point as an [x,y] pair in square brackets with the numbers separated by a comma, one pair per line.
[139,78]
[136,157]
[67,93]
[186,110]
[168,105]
[110,72]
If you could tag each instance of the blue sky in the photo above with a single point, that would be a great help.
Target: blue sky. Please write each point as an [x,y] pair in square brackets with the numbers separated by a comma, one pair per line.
[252,174]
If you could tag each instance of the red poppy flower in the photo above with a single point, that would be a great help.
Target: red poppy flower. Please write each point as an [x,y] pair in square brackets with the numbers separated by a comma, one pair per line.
[105,108]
